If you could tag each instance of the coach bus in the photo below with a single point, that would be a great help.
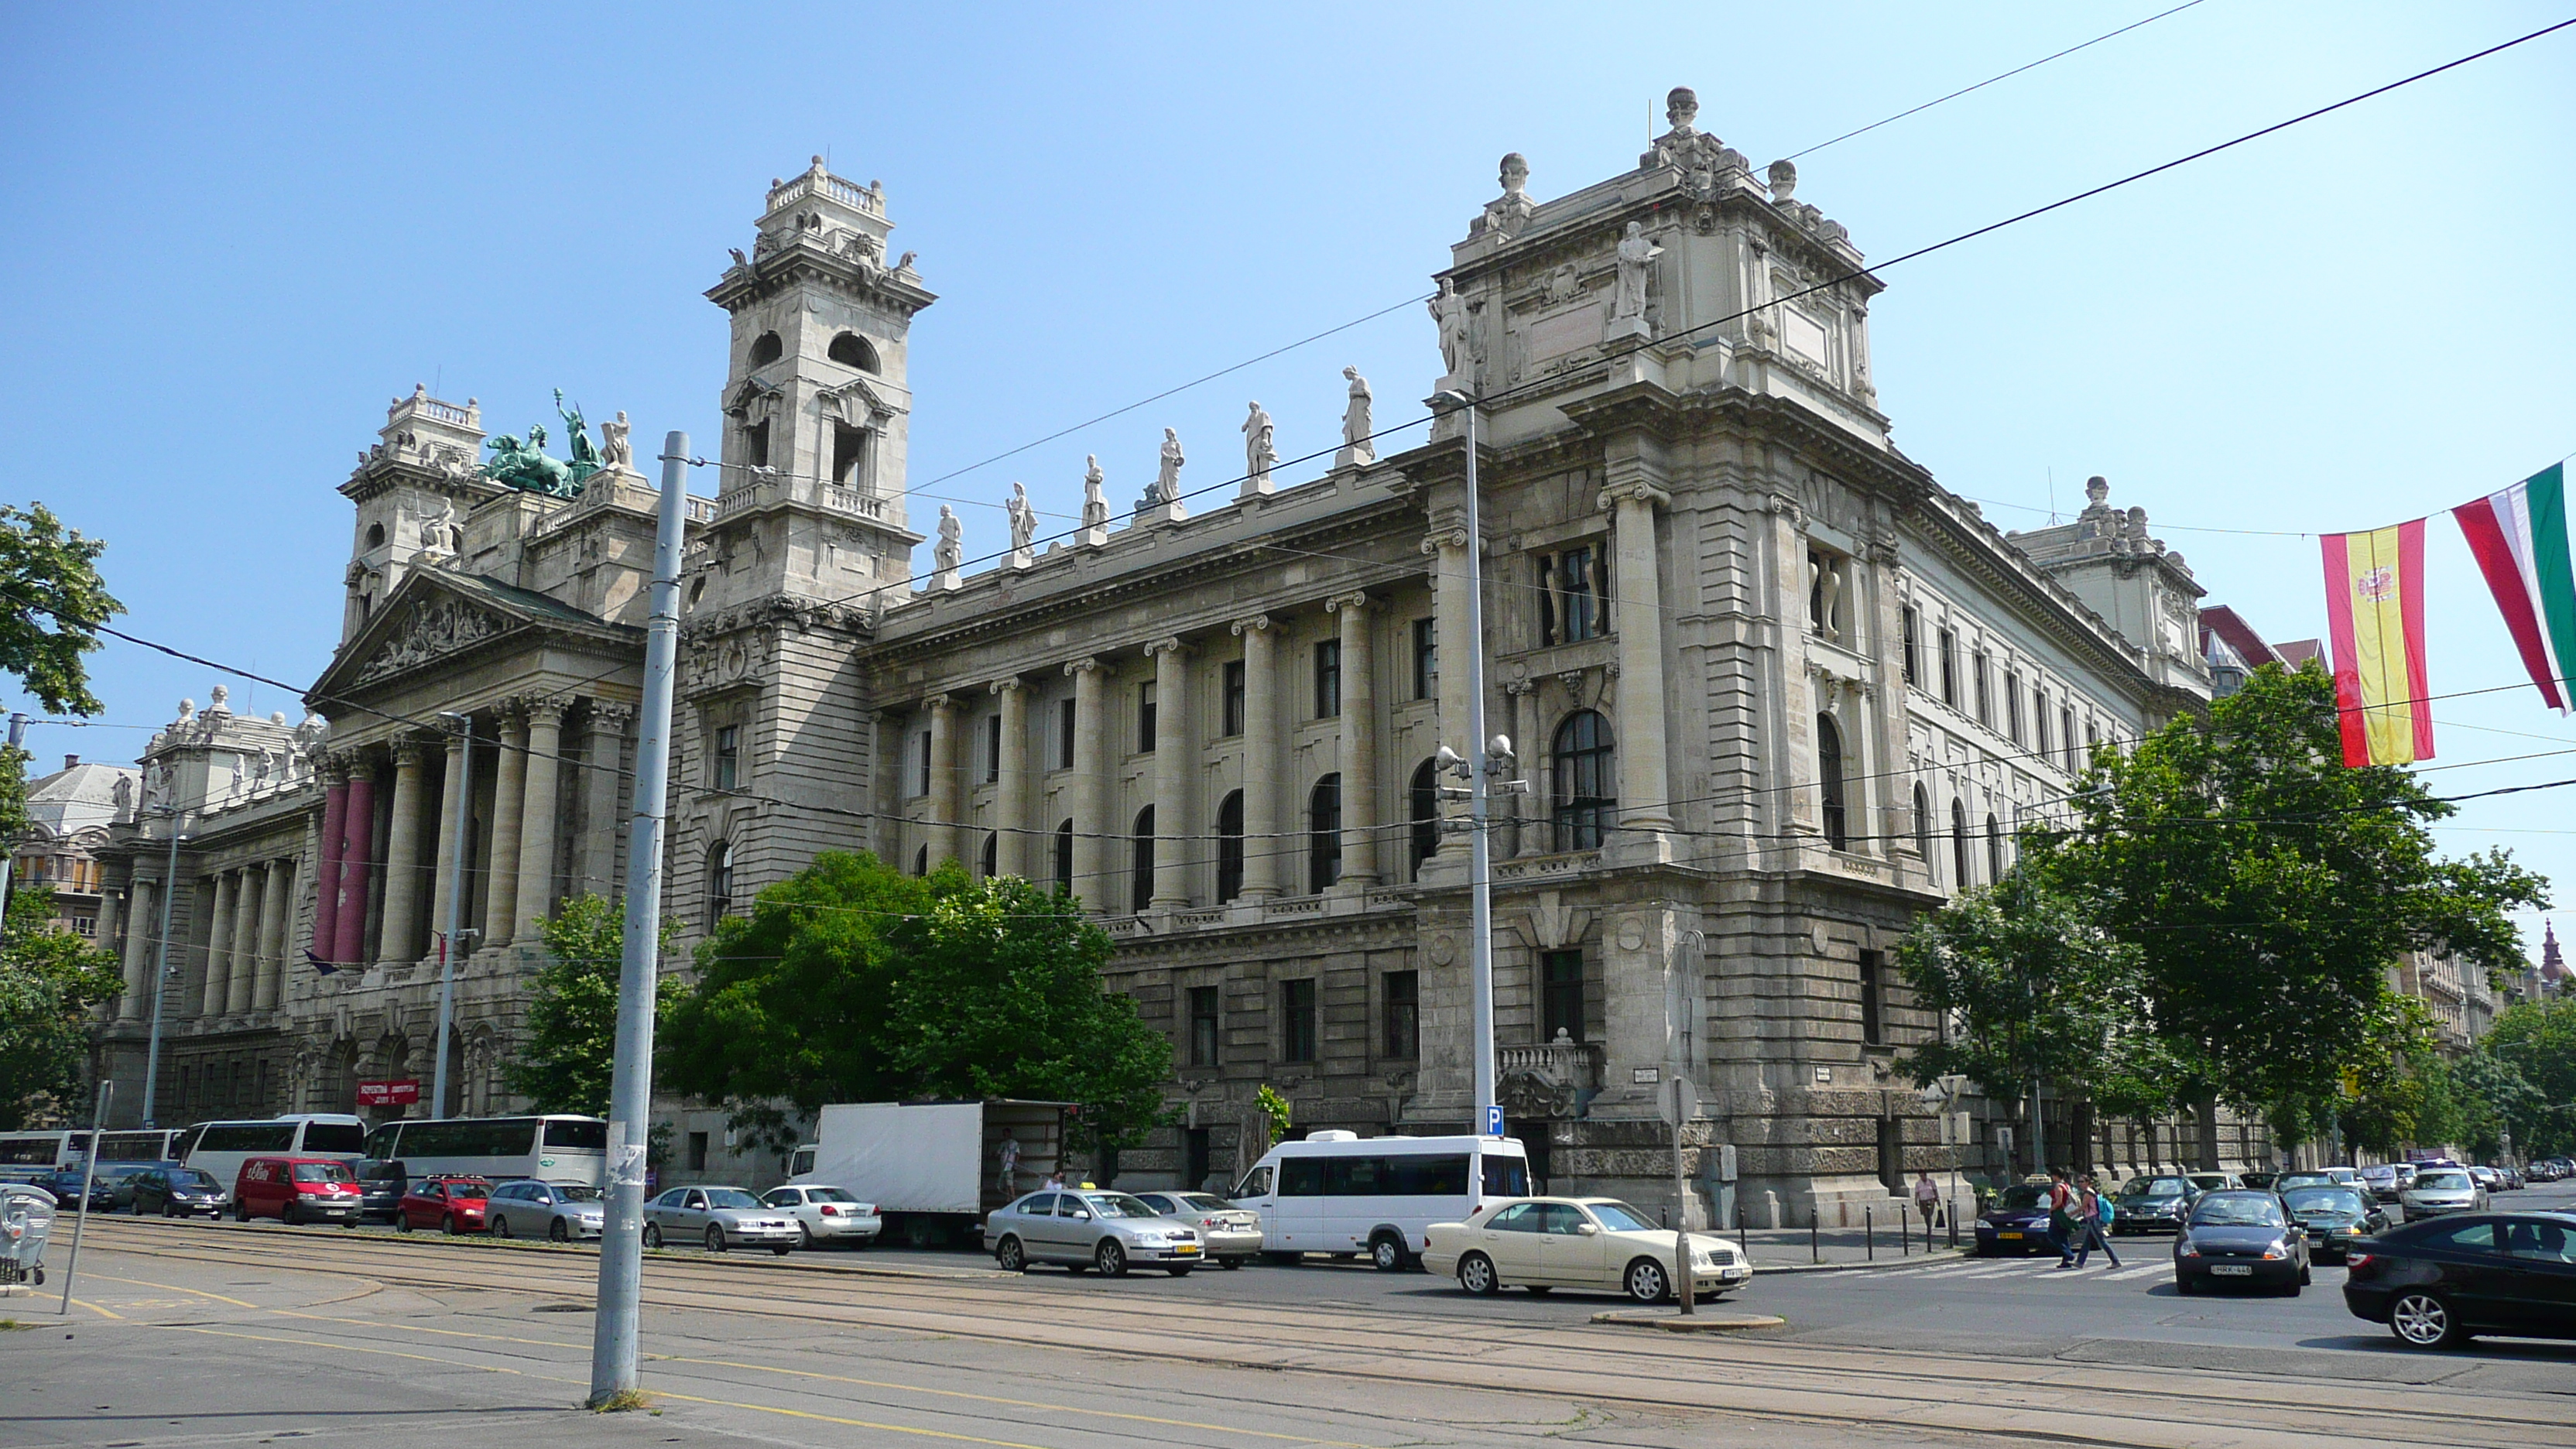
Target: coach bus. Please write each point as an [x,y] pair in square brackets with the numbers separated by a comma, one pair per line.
[556,1148]
[218,1148]
[28,1155]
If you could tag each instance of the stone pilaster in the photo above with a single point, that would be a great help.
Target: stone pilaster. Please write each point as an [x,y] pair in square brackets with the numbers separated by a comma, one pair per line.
[326,890]
[219,945]
[1448,550]
[250,888]
[399,940]
[947,815]
[1526,832]
[1175,741]
[1361,816]
[1011,849]
[538,797]
[1261,754]
[509,796]
[142,924]
[453,815]
[277,910]
[1645,789]
[1090,785]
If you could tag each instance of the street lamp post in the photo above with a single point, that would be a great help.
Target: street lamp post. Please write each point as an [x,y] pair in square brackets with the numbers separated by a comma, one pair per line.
[161,970]
[448,948]
[1484,757]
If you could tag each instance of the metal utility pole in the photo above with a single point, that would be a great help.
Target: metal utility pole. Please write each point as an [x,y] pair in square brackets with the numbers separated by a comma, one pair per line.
[630,1099]
[1481,764]
[161,969]
[1683,1106]
[9,866]
[456,893]
[89,1176]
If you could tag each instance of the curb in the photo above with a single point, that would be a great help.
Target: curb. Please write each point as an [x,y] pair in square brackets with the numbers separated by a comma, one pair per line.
[1670,1320]
[1882,1265]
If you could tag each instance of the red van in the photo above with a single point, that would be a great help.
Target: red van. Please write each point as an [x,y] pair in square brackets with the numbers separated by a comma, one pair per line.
[296,1190]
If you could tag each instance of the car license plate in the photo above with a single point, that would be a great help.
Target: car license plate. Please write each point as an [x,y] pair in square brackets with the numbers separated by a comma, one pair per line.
[2231,1270]
[2007,1235]
[1186,1250]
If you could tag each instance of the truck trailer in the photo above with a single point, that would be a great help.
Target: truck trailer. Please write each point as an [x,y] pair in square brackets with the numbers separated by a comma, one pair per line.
[934,1168]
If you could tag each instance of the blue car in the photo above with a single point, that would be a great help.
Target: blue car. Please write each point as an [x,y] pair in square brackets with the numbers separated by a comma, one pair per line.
[2018,1224]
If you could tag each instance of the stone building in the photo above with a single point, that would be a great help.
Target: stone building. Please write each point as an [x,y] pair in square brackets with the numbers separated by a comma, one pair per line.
[1772,689]
[68,814]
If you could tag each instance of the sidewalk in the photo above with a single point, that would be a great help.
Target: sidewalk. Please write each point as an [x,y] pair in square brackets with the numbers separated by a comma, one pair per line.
[1781,1250]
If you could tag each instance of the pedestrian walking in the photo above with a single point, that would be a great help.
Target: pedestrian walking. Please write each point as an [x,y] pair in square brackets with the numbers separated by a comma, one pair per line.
[2097,1223]
[2062,1204]
[1927,1200]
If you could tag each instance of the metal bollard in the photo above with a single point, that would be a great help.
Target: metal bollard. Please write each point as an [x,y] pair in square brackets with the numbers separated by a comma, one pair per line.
[1869,1231]
[1814,1253]
[1743,1244]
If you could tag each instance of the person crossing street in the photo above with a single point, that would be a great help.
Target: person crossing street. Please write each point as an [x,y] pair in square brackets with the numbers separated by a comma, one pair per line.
[2096,1229]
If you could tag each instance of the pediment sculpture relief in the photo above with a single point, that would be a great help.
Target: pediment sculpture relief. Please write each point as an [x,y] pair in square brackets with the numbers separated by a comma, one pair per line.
[428,630]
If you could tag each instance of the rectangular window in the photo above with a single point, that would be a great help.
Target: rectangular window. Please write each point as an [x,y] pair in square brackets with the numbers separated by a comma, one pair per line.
[728,756]
[2039,724]
[1561,995]
[992,748]
[697,1152]
[2012,706]
[1205,1023]
[2092,737]
[1064,722]
[1328,678]
[2066,737]
[1301,1177]
[1403,1015]
[1873,1002]
[849,455]
[1297,1020]
[1426,658]
[1574,592]
[924,778]
[1950,669]
[1985,691]
[1145,718]
[1913,647]
[1234,697]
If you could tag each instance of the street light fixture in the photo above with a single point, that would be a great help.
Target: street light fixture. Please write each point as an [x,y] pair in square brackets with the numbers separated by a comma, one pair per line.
[1491,755]
[452,946]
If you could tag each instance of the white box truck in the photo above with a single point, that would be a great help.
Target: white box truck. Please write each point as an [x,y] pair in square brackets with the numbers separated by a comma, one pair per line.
[934,1168]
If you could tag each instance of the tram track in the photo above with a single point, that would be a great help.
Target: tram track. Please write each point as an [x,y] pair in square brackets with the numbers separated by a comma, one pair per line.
[2048,1399]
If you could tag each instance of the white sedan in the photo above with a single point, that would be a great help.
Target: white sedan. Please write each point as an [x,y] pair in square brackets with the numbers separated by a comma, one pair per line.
[1599,1243]
[827,1214]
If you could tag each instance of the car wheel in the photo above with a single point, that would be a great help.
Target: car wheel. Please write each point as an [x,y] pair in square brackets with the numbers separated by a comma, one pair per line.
[556,1232]
[292,1216]
[1476,1275]
[241,1212]
[716,1238]
[402,1222]
[1180,1270]
[1230,1264]
[500,1226]
[2185,1286]
[652,1235]
[2424,1320]
[805,1237]
[447,1224]
[783,1249]
[1010,1256]
[1387,1254]
[1538,1290]
[1110,1259]
[1647,1282]
[2307,1275]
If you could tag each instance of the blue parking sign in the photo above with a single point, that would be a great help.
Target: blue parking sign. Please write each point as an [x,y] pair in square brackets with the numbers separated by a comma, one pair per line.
[1494,1121]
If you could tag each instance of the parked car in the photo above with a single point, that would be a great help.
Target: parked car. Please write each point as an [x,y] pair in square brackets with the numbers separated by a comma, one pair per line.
[2239,1236]
[296,1190]
[2151,1204]
[381,1185]
[1231,1236]
[2435,1284]
[1594,1243]
[176,1192]
[2335,1218]
[449,1204]
[718,1217]
[2381,1181]
[558,1212]
[2439,1190]
[2512,1175]
[2017,1223]
[2310,1177]
[105,1193]
[2214,1181]
[2267,1180]
[1087,1229]
[2488,1178]
[827,1214]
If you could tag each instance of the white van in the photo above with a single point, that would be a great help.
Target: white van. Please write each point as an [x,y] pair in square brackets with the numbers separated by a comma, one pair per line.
[220,1147]
[1339,1192]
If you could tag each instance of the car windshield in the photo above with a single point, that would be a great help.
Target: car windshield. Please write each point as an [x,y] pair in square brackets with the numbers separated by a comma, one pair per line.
[323,1172]
[2324,1200]
[1618,1217]
[1119,1205]
[468,1189]
[577,1194]
[1204,1202]
[2305,1179]
[2230,1209]
[730,1197]
[191,1177]
[2020,1199]
[827,1194]
[2138,1187]
[2451,1181]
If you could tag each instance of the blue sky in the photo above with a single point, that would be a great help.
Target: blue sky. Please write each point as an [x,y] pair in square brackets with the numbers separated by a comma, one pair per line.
[227,239]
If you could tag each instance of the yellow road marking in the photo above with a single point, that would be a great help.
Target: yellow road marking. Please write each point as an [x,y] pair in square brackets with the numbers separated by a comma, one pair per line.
[94,1308]
[421,1328]
[174,1288]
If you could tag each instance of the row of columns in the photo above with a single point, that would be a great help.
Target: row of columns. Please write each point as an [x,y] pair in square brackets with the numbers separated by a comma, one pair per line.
[246,942]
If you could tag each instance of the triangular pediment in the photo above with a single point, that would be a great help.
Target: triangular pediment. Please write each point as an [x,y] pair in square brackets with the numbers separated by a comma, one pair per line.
[435,613]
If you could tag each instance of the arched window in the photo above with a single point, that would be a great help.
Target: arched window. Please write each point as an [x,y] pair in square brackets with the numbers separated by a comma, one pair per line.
[992,854]
[1324,833]
[1586,792]
[921,861]
[1829,780]
[719,882]
[1994,850]
[851,350]
[375,535]
[1064,859]
[1960,879]
[1422,801]
[766,349]
[1229,847]
[1141,865]
[1923,825]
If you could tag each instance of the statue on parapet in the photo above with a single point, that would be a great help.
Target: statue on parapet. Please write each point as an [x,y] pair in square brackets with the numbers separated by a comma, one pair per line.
[526,467]
[585,458]
[1359,444]
[614,449]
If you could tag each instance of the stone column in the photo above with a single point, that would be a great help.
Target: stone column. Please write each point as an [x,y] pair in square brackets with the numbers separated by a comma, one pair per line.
[538,799]
[142,928]
[1261,754]
[1645,794]
[1360,813]
[399,940]
[277,910]
[250,901]
[1090,785]
[1448,549]
[357,868]
[947,815]
[1011,855]
[453,816]
[509,784]
[1529,824]
[604,797]
[1174,746]
[219,944]
[326,886]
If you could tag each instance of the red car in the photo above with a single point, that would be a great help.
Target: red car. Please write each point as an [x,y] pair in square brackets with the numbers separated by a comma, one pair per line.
[450,1204]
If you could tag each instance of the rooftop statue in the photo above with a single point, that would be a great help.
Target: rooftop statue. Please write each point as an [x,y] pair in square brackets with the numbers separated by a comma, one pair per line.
[525,466]
[585,458]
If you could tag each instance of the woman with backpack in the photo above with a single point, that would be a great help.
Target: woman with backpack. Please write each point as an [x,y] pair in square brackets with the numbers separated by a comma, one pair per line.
[2098,1213]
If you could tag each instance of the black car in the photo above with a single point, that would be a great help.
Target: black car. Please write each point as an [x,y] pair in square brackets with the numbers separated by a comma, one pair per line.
[2018,1223]
[2237,1236]
[173,1191]
[2153,1204]
[381,1185]
[2438,1282]
[65,1185]
[2336,1218]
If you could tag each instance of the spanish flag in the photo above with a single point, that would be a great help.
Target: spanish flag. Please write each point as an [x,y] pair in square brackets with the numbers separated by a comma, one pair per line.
[2375,612]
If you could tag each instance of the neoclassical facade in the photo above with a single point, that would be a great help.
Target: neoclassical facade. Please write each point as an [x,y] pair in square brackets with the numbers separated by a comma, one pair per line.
[1772,692]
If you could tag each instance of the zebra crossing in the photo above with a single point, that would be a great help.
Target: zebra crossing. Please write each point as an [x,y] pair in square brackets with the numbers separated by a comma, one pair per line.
[2043,1268]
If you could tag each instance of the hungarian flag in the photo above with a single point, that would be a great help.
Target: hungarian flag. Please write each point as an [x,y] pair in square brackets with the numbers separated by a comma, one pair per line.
[2375,612]
[2520,539]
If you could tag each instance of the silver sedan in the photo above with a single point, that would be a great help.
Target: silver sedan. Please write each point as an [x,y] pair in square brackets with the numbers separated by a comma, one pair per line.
[719,1217]
[1089,1228]
[530,1209]
[1229,1235]
[827,1214]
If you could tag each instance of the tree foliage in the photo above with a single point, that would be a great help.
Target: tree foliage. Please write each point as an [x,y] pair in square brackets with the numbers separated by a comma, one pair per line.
[49,979]
[569,1055]
[2536,1040]
[51,601]
[850,982]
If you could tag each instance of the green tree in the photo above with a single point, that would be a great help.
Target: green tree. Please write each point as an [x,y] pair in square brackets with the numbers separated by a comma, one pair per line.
[569,1055]
[852,982]
[2537,1039]
[49,979]
[51,603]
